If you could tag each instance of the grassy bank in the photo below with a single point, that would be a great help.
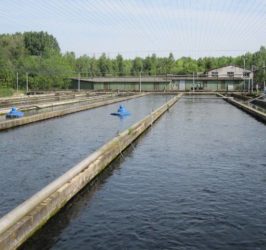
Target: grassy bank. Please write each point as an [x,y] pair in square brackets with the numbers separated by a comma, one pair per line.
[4,91]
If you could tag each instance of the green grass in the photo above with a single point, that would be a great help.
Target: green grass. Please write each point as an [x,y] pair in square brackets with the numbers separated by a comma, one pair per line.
[4,91]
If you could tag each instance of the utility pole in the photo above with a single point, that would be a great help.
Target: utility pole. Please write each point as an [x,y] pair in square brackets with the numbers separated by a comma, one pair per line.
[78,82]
[27,82]
[252,80]
[193,82]
[264,78]
[140,81]
[17,82]
[244,75]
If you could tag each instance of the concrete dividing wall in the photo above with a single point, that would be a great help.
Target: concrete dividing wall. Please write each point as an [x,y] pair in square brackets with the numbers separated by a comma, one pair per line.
[259,103]
[255,113]
[34,99]
[18,225]
[48,115]
[240,96]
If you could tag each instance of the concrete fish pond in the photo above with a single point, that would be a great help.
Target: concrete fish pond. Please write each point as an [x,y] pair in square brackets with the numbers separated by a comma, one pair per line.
[107,153]
[188,180]
[179,187]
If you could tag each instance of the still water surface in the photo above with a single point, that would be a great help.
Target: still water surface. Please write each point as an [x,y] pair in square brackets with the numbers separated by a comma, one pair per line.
[34,155]
[195,180]
[35,111]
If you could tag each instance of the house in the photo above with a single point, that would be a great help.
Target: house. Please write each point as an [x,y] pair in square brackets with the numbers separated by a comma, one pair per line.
[230,72]
[235,77]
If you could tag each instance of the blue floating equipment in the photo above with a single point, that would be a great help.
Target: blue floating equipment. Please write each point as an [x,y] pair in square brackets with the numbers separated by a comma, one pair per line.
[14,113]
[121,112]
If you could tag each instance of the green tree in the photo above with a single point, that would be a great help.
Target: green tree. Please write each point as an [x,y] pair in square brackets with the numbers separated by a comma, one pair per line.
[93,67]
[40,43]
[137,66]
[120,65]
[104,65]
[259,61]
[170,64]
[83,65]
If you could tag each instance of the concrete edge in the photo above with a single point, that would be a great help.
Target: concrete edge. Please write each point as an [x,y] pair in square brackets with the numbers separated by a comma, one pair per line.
[22,222]
[253,112]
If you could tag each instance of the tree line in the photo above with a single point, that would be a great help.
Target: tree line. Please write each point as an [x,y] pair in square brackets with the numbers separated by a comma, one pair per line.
[36,57]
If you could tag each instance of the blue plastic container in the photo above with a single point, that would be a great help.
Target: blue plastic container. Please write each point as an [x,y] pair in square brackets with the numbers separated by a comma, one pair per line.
[14,113]
[121,111]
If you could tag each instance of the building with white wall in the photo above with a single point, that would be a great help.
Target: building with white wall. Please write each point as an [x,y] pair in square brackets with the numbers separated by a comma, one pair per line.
[230,71]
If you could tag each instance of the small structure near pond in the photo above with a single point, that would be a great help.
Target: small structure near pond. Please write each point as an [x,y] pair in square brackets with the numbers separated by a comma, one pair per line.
[121,112]
[14,113]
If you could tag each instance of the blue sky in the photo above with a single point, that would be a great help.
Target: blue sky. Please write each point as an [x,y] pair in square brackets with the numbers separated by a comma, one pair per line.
[138,28]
